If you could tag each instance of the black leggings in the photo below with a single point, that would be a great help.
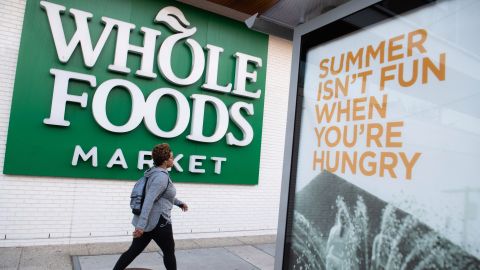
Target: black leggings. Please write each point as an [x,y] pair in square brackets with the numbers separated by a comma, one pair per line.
[163,236]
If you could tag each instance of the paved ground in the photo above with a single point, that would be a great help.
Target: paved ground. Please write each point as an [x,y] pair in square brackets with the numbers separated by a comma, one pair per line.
[252,252]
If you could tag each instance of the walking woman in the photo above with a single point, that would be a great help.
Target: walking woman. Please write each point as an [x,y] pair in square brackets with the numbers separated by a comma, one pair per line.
[154,221]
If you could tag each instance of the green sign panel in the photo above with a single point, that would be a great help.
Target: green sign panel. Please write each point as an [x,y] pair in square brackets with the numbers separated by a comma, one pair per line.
[99,83]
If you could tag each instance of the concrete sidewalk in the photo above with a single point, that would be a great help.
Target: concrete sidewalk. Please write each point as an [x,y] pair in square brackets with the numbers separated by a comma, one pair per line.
[250,252]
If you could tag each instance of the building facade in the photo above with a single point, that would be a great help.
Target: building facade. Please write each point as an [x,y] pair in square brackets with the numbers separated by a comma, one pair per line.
[53,206]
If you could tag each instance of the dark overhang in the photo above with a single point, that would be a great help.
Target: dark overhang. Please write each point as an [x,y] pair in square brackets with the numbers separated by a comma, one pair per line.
[273,17]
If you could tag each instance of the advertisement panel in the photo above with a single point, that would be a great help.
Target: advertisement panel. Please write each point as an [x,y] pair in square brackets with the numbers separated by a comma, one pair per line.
[98,84]
[389,146]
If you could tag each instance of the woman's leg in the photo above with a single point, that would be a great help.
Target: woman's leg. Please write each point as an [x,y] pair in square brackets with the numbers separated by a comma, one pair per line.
[137,246]
[164,238]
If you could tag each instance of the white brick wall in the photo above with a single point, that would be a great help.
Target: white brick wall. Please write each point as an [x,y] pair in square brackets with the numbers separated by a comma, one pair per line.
[85,210]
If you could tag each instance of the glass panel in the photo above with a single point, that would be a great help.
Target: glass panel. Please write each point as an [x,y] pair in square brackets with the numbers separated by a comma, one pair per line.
[389,146]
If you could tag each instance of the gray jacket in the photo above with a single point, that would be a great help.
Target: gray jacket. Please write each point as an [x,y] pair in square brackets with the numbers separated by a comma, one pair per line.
[153,206]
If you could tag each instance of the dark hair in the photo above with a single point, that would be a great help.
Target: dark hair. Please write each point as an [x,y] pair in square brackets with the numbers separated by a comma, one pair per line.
[161,153]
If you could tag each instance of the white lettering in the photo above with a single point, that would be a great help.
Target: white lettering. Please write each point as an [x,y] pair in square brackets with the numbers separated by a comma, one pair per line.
[173,17]
[241,75]
[61,97]
[198,116]
[240,121]
[81,36]
[145,108]
[78,152]
[142,161]
[100,102]
[218,163]
[117,159]
[194,164]
[123,47]
[183,112]
[145,159]
[176,165]
[212,70]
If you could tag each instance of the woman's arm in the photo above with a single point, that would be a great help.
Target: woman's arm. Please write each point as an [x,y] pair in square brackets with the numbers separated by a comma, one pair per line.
[180,204]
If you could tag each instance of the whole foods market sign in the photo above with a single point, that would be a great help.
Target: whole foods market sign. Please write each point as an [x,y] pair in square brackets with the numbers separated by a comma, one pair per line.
[99,84]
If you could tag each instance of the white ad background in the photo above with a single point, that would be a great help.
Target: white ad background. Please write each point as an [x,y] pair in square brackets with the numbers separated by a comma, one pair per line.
[441,119]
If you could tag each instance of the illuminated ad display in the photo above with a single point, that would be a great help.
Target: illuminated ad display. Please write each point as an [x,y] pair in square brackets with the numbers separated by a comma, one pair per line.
[389,145]
[98,84]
